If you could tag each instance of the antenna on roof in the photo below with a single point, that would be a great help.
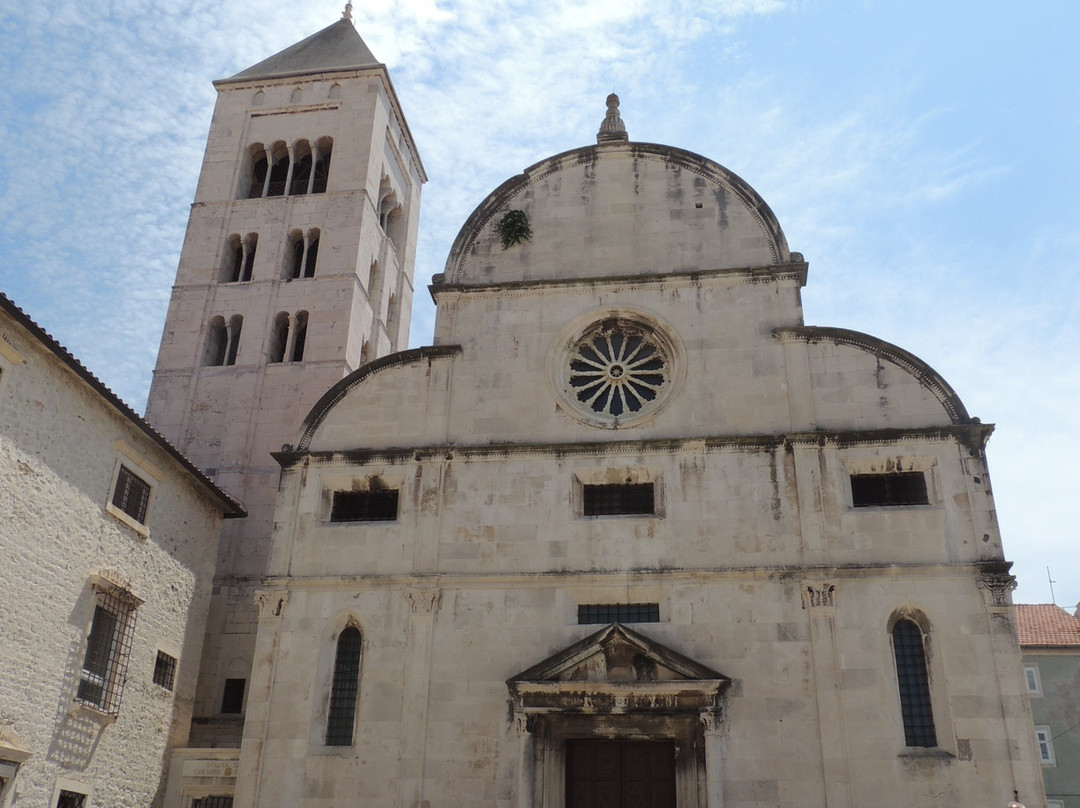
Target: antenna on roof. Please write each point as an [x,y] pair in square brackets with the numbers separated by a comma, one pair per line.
[347,13]
[1052,582]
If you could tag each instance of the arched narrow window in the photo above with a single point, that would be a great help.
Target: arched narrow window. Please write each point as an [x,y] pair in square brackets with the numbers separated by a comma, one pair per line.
[216,342]
[259,99]
[279,338]
[365,353]
[294,256]
[233,260]
[335,91]
[301,176]
[297,96]
[299,337]
[373,281]
[392,312]
[279,173]
[324,148]
[311,253]
[259,168]
[341,717]
[913,680]
[236,324]
[250,243]
[395,226]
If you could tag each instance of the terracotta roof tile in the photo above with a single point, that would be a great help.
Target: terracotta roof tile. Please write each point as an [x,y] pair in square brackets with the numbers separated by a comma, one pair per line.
[1043,624]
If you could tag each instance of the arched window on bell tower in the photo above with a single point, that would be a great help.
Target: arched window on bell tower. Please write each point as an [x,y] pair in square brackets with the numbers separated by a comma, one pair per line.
[344,688]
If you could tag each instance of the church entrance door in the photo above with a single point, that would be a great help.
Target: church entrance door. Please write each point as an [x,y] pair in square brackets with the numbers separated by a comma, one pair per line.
[620,774]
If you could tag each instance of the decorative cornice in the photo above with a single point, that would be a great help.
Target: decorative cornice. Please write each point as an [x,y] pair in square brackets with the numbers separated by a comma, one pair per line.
[926,375]
[967,434]
[795,270]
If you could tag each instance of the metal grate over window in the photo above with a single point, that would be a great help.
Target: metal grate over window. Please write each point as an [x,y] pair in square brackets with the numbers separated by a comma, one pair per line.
[213,802]
[593,613]
[104,670]
[70,799]
[343,691]
[914,684]
[131,495]
[232,699]
[612,500]
[165,670]
[898,488]
[379,505]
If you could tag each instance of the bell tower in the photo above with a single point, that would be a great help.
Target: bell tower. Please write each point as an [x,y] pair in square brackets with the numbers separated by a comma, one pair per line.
[297,268]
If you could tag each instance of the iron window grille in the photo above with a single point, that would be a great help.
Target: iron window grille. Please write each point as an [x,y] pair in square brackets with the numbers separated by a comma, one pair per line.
[213,802]
[70,799]
[232,698]
[614,500]
[603,613]
[898,488]
[914,684]
[343,691]
[131,494]
[108,648]
[1045,741]
[165,670]
[364,506]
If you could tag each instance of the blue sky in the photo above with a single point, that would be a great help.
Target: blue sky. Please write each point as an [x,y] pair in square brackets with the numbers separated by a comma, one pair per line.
[923,157]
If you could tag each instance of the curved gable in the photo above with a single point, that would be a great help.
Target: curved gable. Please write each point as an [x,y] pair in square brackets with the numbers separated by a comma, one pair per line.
[618,210]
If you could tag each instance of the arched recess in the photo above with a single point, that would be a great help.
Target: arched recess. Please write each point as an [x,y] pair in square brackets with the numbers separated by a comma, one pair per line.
[335,91]
[279,338]
[335,683]
[294,255]
[256,168]
[297,96]
[299,337]
[324,148]
[302,164]
[250,245]
[311,252]
[217,341]
[258,99]
[236,325]
[232,262]
[279,170]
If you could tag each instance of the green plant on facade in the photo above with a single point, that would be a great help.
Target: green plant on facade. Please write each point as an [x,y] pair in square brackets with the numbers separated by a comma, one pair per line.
[514,228]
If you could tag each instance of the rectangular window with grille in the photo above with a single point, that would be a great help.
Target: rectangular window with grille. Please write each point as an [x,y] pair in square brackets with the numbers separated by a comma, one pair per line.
[899,488]
[1045,742]
[603,613]
[165,670]
[379,505]
[224,801]
[615,500]
[131,494]
[104,670]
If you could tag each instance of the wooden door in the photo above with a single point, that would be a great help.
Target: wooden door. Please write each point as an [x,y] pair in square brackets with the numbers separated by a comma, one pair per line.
[620,774]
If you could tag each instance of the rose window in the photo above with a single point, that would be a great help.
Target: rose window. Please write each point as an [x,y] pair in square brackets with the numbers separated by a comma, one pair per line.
[618,369]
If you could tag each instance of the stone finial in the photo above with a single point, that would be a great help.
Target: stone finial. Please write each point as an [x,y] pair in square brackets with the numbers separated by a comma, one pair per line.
[347,13]
[612,130]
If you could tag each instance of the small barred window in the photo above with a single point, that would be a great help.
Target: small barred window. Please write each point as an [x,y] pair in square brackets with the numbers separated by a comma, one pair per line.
[380,505]
[131,495]
[614,500]
[603,613]
[108,647]
[70,799]
[165,670]
[898,488]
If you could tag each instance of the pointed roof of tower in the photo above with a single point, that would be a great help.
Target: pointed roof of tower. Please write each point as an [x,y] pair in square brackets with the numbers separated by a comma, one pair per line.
[336,47]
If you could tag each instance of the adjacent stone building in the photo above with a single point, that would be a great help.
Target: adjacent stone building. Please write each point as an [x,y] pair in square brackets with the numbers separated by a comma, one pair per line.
[630,533]
[1050,641]
[108,535]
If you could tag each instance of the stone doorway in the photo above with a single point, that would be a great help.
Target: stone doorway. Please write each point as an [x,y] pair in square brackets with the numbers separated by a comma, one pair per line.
[620,774]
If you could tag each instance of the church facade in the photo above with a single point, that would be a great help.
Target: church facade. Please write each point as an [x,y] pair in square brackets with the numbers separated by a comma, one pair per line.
[628,533]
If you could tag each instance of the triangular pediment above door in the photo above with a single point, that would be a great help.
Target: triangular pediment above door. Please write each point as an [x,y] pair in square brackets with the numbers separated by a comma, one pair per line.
[617,670]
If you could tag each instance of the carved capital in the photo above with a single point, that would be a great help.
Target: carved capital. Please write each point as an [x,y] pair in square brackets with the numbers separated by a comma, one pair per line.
[712,720]
[997,586]
[273,600]
[424,601]
[525,724]
[818,595]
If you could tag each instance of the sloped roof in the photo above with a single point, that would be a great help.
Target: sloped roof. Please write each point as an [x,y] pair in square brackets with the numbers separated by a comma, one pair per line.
[336,47]
[230,507]
[1044,624]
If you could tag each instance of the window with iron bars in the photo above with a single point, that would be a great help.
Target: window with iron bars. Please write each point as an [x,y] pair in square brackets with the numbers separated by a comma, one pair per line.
[914,683]
[380,505]
[131,494]
[603,613]
[344,689]
[104,669]
[898,488]
[614,500]
[222,801]
[165,670]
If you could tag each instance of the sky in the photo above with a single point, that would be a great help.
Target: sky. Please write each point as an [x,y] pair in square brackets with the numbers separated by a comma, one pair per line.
[921,155]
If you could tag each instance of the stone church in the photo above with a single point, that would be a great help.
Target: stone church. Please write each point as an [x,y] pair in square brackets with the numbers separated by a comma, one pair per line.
[628,533]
